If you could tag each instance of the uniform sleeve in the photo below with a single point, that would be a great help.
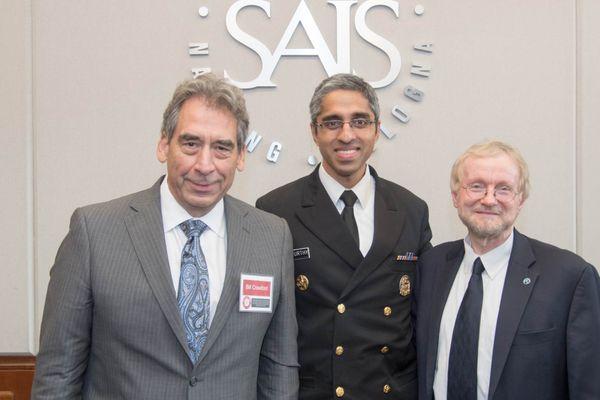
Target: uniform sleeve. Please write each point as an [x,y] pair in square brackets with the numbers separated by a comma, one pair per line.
[66,324]
[261,204]
[278,369]
[583,346]
[424,245]
[426,235]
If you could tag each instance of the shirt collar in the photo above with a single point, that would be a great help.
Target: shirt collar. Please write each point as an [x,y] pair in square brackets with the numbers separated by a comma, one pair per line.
[334,189]
[174,214]
[494,260]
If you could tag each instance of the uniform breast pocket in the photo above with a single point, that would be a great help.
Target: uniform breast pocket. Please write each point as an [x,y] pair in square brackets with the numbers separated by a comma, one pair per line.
[402,261]
[401,277]
[402,265]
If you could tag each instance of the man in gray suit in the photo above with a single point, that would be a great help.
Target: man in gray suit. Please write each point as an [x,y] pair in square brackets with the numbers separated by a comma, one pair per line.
[179,291]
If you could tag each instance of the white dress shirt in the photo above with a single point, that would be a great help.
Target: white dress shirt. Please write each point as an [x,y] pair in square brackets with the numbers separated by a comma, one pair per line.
[364,208]
[213,242]
[495,263]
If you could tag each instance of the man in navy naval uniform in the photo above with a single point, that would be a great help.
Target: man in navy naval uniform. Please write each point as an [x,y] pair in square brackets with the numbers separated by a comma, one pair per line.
[356,241]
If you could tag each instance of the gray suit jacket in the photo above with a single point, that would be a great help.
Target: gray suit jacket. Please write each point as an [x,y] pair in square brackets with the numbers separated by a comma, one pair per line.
[112,330]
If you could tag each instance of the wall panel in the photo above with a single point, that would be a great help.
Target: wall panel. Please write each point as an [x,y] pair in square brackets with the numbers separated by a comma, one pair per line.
[103,72]
[16,239]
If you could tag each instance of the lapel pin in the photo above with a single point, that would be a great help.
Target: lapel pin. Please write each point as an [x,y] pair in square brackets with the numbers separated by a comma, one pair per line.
[526,281]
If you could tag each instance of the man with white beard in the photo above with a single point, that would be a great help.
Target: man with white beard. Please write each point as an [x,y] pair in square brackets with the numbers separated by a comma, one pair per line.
[501,315]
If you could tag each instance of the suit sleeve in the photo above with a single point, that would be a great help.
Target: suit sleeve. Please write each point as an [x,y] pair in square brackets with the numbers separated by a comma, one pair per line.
[66,324]
[278,369]
[583,346]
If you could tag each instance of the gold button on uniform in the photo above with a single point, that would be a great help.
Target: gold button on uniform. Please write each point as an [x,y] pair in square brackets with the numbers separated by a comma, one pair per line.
[339,391]
[387,388]
[341,308]
[339,350]
[387,311]
[385,350]
[302,283]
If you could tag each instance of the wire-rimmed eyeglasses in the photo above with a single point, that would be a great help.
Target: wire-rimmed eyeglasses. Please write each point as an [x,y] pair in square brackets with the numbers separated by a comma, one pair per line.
[478,191]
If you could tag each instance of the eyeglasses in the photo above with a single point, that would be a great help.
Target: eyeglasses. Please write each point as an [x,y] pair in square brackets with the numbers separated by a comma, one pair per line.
[336,124]
[477,191]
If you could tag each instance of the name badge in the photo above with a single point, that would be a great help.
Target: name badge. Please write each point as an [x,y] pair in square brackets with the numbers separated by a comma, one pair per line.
[256,293]
[302,253]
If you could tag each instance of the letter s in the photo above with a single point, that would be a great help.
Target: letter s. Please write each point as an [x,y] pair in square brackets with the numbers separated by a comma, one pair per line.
[367,34]
[251,42]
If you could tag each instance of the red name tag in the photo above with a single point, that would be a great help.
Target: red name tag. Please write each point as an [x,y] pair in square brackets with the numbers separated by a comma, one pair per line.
[256,293]
[256,288]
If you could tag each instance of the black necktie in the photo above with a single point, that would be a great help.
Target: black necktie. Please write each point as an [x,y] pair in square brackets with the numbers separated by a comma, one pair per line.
[349,198]
[462,366]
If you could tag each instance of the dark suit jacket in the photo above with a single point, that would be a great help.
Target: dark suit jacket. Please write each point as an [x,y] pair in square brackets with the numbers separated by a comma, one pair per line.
[378,349]
[547,343]
[112,329]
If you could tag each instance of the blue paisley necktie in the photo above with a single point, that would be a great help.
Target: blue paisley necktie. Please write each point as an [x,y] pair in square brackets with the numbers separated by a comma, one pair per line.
[193,297]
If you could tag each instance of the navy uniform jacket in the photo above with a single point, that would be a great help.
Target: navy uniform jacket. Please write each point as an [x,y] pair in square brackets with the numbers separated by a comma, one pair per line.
[546,344]
[354,314]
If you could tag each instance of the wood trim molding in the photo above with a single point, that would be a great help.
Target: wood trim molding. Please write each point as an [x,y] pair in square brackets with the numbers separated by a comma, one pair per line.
[16,376]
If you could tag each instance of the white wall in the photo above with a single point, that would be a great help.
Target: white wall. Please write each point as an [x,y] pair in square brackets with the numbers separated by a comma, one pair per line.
[87,83]
[588,118]
[16,206]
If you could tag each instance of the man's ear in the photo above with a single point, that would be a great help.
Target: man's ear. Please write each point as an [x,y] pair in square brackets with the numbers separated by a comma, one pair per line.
[521,201]
[162,149]
[241,161]
[454,198]
[313,131]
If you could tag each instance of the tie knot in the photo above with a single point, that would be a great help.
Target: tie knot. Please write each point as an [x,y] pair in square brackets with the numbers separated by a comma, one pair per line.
[478,267]
[193,227]
[349,198]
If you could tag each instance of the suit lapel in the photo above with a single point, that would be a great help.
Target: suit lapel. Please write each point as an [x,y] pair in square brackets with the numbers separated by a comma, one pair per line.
[146,231]
[238,247]
[515,296]
[441,289]
[319,215]
[388,224]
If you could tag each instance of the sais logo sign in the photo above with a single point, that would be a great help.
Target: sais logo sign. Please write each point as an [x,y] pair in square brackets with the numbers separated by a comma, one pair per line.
[302,17]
